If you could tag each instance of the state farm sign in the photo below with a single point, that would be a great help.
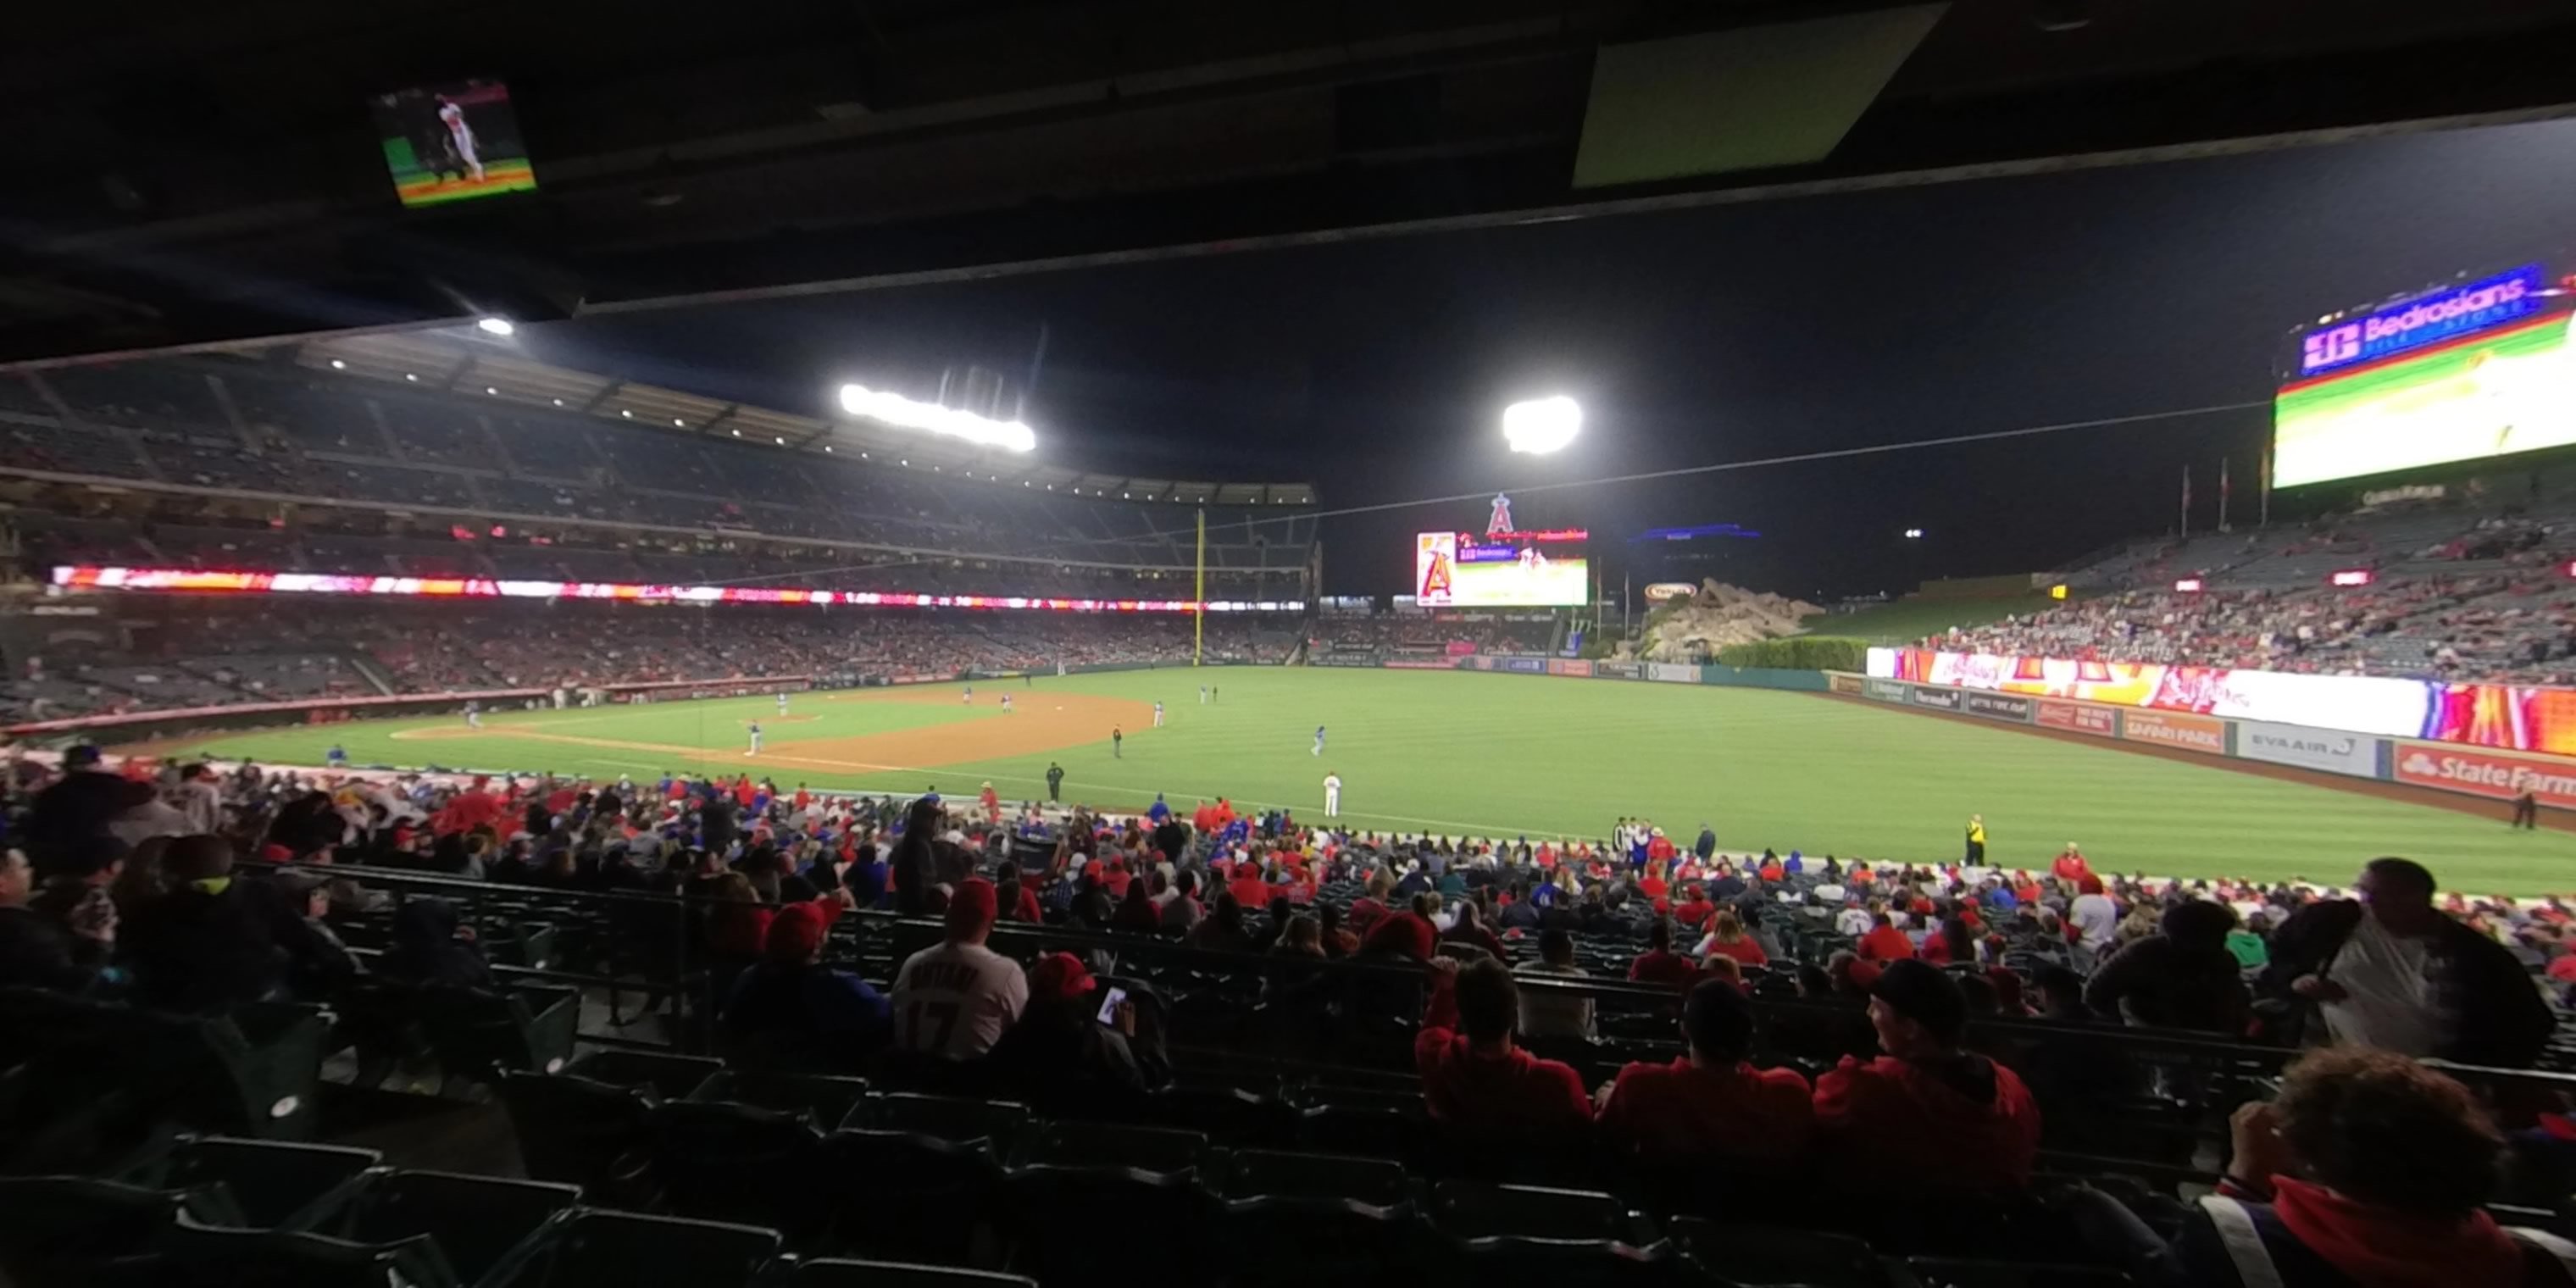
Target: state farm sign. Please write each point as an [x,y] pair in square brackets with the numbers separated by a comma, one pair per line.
[2165,729]
[2479,773]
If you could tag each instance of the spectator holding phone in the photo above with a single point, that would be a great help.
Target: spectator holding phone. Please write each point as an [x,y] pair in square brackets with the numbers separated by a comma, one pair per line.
[1070,1044]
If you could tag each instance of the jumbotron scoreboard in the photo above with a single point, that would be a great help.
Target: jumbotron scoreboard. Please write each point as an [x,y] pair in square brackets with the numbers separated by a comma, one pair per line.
[1502,567]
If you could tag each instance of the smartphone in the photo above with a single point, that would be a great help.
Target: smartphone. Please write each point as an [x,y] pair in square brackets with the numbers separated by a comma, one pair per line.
[1110,1001]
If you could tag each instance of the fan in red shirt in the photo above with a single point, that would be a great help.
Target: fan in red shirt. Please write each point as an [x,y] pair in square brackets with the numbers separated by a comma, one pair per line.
[1473,1076]
[1695,912]
[990,802]
[1659,849]
[1247,887]
[1728,938]
[1927,1108]
[1659,964]
[2070,866]
[473,808]
[1710,1102]
[1884,942]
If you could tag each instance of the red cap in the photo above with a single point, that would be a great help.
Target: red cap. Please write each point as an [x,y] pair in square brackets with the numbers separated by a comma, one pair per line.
[971,908]
[1060,975]
[795,933]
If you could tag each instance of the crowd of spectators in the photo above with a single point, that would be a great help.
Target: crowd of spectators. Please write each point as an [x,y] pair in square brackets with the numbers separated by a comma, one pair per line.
[2503,627]
[1435,634]
[226,658]
[132,883]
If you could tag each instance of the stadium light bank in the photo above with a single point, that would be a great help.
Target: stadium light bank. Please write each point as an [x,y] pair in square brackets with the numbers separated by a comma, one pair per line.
[1542,425]
[895,409]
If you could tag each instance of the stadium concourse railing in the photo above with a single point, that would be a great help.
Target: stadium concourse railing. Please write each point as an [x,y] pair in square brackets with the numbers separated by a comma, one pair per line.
[2151,1103]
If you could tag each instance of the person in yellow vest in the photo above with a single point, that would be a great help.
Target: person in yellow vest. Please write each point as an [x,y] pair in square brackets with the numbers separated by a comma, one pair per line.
[1976,840]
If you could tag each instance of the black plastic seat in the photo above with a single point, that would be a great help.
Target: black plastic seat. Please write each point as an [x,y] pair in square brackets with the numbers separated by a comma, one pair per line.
[52,1227]
[953,1118]
[576,1130]
[274,1183]
[732,1162]
[1771,1254]
[1071,1182]
[832,1273]
[1228,1115]
[937,1200]
[478,1221]
[1157,1150]
[1945,1272]
[204,1256]
[827,1098]
[668,1077]
[1478,1210]
[597,1247]
[1312,1218]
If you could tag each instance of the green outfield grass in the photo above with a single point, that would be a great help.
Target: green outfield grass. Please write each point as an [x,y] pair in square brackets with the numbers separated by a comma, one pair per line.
[1510,755]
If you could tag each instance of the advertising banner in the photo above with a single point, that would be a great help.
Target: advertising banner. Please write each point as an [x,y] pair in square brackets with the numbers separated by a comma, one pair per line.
[2384,706]
[2101,722]
[1569,666]
[1887,690]
[1944,699]
[1521,665]
[1420,664]
[1838,681]
[2326,749]
[1341,659]
[1619,670]
[2000,706]
[2483,773]
[2191,733]
[1676,673]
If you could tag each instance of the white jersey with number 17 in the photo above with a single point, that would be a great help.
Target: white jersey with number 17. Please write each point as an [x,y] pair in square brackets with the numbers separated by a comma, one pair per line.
[956,1000]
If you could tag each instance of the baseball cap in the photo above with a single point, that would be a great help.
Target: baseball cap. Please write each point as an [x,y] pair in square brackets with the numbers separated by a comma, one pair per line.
[971,908]
[1920,992]
[84,754]
[795,933]
[1060,975]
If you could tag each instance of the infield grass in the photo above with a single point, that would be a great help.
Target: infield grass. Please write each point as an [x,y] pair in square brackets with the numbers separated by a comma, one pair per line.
[1507,755]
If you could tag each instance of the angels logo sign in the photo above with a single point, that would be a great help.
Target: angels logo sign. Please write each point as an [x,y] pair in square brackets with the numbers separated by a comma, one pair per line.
[1433,561]
[1499,523]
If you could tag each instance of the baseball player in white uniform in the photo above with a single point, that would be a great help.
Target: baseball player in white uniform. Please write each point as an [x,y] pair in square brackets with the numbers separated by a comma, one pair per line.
[782,704]
[1332,794]
[1158,715]
[473,715]
[462,135]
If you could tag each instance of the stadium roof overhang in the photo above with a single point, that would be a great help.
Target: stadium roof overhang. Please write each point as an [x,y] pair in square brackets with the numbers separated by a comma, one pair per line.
[462,362]
[210,177]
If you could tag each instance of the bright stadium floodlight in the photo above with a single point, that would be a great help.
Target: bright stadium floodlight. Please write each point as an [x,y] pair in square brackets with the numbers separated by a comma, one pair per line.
[895,409]
[1542,425]
[494,326]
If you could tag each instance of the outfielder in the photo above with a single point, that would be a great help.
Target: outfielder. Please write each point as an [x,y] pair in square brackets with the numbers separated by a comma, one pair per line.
[1158,715]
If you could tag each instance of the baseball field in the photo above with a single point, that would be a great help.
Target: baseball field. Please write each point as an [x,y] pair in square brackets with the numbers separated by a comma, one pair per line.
[1505,755]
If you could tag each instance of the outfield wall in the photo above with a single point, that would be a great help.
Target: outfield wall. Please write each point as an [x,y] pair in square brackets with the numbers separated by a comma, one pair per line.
[2411,762]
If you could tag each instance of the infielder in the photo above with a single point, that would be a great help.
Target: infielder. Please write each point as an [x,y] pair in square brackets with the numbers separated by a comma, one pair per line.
[1332,794]
[1158,715]
[1006,704]
[755,739]
[473,715]
[970,695]
[782,704]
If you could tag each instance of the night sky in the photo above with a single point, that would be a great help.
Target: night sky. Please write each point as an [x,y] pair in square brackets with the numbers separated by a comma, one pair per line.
[1378,371]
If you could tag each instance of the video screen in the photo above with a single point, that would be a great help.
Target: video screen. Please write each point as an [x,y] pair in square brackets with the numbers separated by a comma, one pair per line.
[450,143]
[2482,370]
[1459,570]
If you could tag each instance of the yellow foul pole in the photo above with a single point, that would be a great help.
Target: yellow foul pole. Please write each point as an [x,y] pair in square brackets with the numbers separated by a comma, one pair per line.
[1198,594]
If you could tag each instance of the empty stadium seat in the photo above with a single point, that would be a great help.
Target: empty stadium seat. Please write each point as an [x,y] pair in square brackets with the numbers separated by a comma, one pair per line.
[577,1130]
[205,1256]
[667,1076]
[1311,1218]
[833,1273]
[477,1221]
[1758,1255]
[1072,1182]
[53,1228]
[596,1247]
[913,1196]
[733,1162]
[273,1183]
[826,1098]
[1930,1272]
